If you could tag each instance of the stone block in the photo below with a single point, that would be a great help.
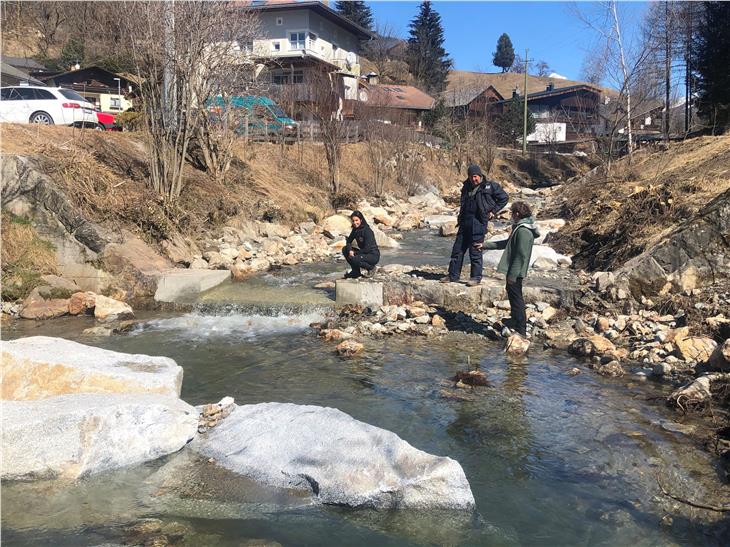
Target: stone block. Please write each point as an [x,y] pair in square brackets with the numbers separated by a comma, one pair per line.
[359,293]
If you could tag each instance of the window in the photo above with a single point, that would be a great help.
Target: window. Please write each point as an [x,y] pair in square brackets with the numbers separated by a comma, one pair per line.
[115,103]
[312,37]
[279,21]
[297,40]
[287,77]
[71,94]
[26,93]
[9,94]
[247,46]
[277,46]
[44,95]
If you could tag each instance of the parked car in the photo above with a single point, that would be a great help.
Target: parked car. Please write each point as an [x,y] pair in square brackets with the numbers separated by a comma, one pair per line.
[106,122]
[264,116]
[46,105]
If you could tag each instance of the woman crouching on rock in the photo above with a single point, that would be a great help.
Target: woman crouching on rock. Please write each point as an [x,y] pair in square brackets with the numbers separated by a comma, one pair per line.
[516,260]
[361,250]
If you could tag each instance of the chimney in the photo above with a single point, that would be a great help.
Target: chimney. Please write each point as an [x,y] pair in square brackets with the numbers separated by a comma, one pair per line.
[372,78]
[516,92]
[550,86]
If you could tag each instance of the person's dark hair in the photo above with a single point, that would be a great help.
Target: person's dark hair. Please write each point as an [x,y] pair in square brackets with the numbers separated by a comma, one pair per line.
[359,215]
[521,209]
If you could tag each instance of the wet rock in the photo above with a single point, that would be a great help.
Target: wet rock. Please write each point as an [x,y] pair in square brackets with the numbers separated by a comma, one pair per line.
[210,415]
[40,366]
[448,230]
[662,369]
[331,335]
[517,345]
[407,222]
[81,302]
[325,285]
[349,348]
[362,293]
[71,436]
[720,358]
[292,446]
[611,369]
[108,309]
[573,372]
[593,345]
[98,331]
[36,307]
[695,348]
[470,378]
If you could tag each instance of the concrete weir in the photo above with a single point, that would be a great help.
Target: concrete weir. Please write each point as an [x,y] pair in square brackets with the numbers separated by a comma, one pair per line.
[178,284]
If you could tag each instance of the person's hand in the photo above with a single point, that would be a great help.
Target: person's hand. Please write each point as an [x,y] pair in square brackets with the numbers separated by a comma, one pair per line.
[478,245]
[511,280]
[352,253]
[490,215]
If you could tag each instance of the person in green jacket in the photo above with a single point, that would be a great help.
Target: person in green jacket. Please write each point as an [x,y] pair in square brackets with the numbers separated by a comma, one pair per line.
[516,260]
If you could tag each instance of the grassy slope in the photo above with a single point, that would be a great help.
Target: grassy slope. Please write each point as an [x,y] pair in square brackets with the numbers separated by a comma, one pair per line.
[614,218]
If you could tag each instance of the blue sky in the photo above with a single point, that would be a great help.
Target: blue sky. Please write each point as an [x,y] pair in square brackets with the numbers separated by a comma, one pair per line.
[549,29]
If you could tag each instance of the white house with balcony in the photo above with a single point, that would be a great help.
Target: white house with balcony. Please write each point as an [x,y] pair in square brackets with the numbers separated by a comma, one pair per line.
[299,37]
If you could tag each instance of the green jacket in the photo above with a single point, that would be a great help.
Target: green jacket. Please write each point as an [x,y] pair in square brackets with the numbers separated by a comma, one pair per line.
[517,248]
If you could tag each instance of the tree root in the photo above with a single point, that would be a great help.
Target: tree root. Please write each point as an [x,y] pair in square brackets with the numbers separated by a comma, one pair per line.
[697,392]
[716,508]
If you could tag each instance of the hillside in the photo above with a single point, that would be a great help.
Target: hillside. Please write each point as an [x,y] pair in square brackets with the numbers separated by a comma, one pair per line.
[613,218]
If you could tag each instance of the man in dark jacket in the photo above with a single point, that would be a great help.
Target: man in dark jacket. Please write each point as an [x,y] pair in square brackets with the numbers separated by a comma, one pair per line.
[361,249]
[481,199]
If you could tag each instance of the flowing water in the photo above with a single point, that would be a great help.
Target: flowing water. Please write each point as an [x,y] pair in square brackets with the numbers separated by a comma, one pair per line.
[551,459]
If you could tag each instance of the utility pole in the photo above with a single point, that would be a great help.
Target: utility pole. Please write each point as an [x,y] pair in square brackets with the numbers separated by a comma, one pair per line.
[524,114]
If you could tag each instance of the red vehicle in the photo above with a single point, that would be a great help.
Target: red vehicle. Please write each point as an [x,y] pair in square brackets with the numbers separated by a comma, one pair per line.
[106,122]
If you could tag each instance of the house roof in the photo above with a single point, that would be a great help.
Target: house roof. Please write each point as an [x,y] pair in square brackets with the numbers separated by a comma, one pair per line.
[22,63]
[318,7]
[9,75]
[559,91]
[85,71]
[397,96]
[505,82]
[463,96]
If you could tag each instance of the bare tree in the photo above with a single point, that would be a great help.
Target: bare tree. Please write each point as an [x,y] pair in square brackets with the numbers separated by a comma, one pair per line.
[324,92]
[47,18]
[181,52]
[387,53]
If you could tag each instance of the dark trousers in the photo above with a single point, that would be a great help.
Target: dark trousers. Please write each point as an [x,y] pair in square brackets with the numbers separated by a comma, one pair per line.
[462,244]
[367,261]
[517,306]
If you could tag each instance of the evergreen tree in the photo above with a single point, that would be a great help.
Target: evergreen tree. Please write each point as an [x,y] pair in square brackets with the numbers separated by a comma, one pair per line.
[427,59]
[356,11]
[711,62]
[72,53]
[510,124]
[505,54]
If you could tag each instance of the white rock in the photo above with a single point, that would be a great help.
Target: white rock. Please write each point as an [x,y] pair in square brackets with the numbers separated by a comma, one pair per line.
[40,366]
[336,458]
[383,240]
[108,309]
[550,259]
[435,221]
[75,435]
[337,225]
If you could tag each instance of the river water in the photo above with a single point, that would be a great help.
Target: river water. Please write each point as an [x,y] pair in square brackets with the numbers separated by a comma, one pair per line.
[551,459]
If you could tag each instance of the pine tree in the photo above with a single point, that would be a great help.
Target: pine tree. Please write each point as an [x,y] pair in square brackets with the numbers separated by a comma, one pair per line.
[711,62]
[356,11]
[505,54]
[428,61]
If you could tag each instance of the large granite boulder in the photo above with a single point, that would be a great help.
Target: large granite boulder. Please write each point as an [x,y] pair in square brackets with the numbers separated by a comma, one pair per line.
[335,458]
[71,436]
[40,366]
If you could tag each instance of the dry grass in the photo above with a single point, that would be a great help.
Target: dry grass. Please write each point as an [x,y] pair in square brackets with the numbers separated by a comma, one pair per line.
[25,257]
[614,218]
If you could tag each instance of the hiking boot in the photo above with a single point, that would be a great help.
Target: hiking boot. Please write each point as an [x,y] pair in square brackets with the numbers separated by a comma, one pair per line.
[447,279]
[352,275]
[473,282]
[371,273]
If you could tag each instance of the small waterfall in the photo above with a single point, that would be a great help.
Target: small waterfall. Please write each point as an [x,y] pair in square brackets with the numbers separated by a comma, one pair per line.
[224,320]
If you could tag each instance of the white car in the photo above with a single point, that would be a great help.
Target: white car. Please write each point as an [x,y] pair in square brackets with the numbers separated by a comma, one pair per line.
[45,105]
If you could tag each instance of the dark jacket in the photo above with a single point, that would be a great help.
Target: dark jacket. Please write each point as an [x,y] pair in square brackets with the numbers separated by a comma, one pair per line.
[517,248]
[364,237]
[476,204]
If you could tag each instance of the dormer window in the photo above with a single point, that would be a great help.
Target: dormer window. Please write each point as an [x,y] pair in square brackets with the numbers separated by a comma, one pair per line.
[279,21]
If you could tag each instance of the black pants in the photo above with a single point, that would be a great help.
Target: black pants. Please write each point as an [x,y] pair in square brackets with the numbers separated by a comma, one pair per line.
[517,306]
[367,261]
[462,244]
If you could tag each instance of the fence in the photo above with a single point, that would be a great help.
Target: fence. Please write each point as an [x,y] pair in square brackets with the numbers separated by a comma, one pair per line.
[352,132]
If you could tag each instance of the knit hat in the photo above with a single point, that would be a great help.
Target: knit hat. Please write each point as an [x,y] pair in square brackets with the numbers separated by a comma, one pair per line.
[474,170]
